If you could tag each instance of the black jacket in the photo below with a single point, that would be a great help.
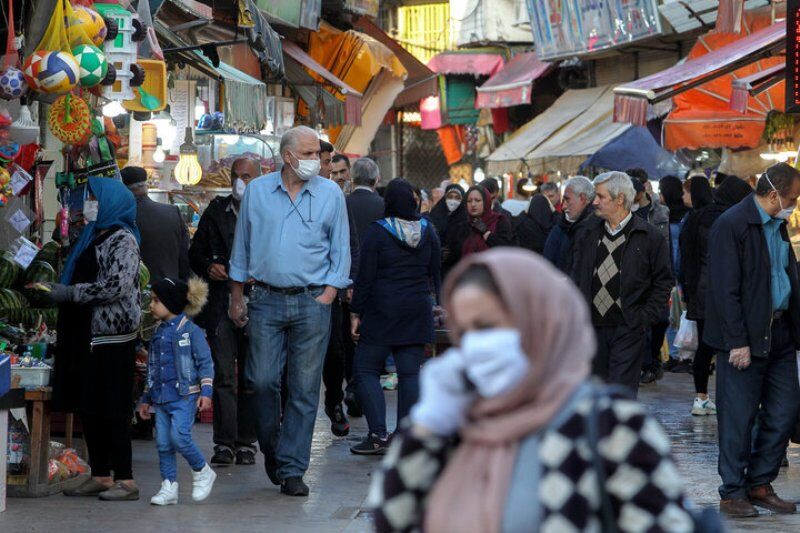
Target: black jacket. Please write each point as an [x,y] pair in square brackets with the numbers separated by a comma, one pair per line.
[366,208]
[165,240]
[565,235]
[458,233]
[739,301]
[532,227]
[646,271]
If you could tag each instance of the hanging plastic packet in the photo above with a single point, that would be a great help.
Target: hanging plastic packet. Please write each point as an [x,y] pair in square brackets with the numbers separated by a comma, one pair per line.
[23,251]
[18,215]
[20,179]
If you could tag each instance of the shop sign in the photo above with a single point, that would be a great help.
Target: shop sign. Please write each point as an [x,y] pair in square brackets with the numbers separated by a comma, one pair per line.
[566,28]
[793,56]
[298,14]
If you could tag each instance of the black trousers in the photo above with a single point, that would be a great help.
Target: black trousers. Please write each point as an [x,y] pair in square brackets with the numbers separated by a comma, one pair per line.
[701,366]
[652,347]
[334,371]
[109,444]
[619,355]
[233,403]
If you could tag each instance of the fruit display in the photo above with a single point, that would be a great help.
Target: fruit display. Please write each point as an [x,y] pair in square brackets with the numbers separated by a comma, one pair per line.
[49,253]
[38,273]
[9,270]
[12,300]
[144,276]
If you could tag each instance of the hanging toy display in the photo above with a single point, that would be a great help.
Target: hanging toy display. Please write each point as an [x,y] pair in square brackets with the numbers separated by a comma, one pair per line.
[92,64]
[24,130]
[70,119]
[12,84]
[85,21]
[51,72]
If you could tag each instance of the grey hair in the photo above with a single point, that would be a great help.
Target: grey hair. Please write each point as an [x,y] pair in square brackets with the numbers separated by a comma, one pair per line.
[617,183]
[292,136]
[581,185]
[365,172]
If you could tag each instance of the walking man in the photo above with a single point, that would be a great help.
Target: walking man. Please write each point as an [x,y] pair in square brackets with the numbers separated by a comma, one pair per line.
[577,202]
[340,172]
[753,319]
[622,267]
[292,240]
[234,429]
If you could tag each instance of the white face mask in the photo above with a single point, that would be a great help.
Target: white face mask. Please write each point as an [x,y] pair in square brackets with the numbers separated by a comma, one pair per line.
[306,168]
[495,360]
[783,214]
[634,208]
[90,210]
[238,189]
[452,204]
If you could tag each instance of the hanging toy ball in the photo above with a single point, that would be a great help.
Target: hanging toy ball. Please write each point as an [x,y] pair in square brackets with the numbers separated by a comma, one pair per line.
[92,64]
[59,73]
[32,67]
[12,84]
[89,22]
[70,119]
[5,177]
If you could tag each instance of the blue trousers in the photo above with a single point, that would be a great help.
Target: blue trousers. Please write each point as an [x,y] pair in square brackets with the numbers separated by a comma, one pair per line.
[767,388]
[286,332]
[174,422]
[368,365]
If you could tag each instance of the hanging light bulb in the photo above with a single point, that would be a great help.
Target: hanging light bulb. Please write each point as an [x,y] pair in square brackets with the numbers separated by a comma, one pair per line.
[199,109]
[113,109]
[188,171]
[159,155]
[479,175]
[529,186]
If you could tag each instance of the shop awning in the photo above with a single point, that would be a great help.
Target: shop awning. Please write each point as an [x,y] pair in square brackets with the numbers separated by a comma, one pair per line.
[352,98]
[421,81]
[635,147]
[633,98]
[513,84]
[507,157]
[755,84]
[475,61]
[312,92]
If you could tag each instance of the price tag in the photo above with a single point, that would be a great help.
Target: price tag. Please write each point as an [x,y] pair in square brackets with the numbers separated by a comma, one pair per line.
[24,252]
[19,180]
[19,221]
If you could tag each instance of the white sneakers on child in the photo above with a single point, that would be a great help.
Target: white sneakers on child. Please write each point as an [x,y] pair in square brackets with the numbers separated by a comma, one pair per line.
[703,407]
[168,495]
[202,482]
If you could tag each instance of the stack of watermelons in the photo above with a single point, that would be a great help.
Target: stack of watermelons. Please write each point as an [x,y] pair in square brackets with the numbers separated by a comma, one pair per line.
[16,300]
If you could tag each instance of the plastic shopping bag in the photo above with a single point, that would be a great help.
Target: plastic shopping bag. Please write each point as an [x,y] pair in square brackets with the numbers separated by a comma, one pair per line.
[687,338]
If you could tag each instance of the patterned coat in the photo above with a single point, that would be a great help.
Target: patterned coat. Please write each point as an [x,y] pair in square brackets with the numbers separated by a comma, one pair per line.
[644,486]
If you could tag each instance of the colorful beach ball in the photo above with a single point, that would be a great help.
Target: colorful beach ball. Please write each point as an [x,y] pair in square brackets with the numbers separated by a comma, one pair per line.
[57,72]
[12,84]
[92,64]
[87,22]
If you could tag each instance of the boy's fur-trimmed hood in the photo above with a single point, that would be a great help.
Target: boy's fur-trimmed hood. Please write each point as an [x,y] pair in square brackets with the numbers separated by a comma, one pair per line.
[197,296]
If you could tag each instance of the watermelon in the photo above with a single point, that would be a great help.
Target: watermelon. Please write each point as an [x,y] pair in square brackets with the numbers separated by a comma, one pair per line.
[30,317]
[9,270]
[49,253]
[39,271]
[144,276]
[11,299]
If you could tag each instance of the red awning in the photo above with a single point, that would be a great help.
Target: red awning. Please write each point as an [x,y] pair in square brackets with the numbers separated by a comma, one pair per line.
[352,98]
[631,99]
[512,85]
[421,81]
[477,63]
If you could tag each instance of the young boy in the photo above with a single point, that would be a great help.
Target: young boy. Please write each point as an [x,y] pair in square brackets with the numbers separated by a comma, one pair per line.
[179,380]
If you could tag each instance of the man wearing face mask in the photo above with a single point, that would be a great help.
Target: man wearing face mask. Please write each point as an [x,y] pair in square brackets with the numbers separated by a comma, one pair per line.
[209,254]
[292,240]
[753,319]
[577,204]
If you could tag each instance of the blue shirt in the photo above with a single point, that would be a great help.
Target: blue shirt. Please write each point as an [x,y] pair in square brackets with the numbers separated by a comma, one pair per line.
[287,243]
[165,376]
[778,260]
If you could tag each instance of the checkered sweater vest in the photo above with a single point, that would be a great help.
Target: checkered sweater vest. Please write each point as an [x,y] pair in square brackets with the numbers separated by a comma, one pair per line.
[607,280]
[644,485]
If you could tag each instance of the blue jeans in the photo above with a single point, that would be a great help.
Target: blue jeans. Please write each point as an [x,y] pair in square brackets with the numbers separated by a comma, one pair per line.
[368,366]
[768,388]
[291,332]
[174,433]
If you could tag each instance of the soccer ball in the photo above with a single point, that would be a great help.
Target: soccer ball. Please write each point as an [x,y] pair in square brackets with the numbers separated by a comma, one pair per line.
[92,63]
[12,84]
[58,73]
[86,22]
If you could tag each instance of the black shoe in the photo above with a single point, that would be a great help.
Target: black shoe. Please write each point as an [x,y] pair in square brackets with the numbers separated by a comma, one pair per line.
[222,457]
[785,461]
[339,424]
[682,367]
[271,467]
[294,486]
[371,445]
[245,456]
[668,364]
[659,373]
[648,376]
[353,407]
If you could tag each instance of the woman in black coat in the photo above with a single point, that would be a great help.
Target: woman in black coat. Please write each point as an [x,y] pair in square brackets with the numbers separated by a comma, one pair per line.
[533,228]
[392,308]
[450,209]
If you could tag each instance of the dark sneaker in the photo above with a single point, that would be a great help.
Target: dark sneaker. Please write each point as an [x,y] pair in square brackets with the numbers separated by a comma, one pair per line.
[371,445]
[90,487]
[222,457]
[271,467]
[294,486]
[339,423]
[648,376]
[245,456]
[353,407]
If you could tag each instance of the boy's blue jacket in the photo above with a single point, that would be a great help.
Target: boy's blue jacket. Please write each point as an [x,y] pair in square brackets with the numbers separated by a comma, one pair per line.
[193,363]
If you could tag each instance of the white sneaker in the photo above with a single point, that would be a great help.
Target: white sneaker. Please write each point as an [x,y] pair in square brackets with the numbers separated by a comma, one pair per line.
[202,482]
[168,495]
[703,407]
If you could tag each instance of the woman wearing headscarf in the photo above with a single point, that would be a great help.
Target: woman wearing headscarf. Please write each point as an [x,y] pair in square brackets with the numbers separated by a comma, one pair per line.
[393,309]
[515,390]
[98,322]
[481,229]
[694,272]
[451,208]
[533,228]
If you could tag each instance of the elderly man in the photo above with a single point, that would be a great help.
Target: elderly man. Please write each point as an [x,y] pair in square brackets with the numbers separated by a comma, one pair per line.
[340,172]
[364,202]
[572,223]
[234,431]
[292,240]
[551,192]
[753,320]
[622,266]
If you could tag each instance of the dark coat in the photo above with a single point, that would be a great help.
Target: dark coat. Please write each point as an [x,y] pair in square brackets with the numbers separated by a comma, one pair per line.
[458,232]
[394,285]
[646,272]
[533,227]
[165,240]
[366,208]
[212,243]
[558,249]
[739,301]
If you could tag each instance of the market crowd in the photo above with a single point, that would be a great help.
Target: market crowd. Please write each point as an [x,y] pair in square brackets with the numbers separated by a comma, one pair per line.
[556,305]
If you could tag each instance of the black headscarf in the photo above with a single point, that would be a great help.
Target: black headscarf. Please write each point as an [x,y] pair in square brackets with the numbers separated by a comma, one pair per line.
[671,188]
[731,191]
[541,212]
[700,189]
[399,200]
[441,216]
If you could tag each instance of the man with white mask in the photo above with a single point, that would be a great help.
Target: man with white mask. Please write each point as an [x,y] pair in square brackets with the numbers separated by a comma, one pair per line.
[572,223]
[209,255]
[292,245]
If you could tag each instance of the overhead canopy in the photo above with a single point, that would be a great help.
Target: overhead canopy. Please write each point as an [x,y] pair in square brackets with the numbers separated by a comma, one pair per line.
[421,81]
[507,157]
[512,85]
[635,147]
[475,61]
[755,84]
